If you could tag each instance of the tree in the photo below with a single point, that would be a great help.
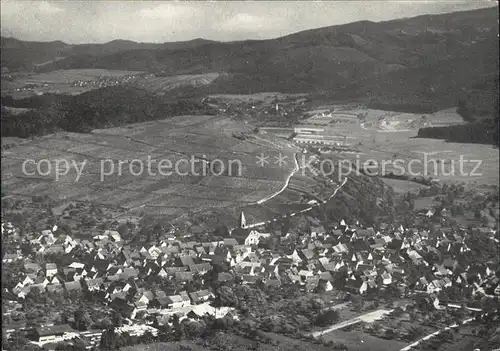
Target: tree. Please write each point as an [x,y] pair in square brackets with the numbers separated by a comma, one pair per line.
[124,230]
[82,320]
[178,327]
[116,319]
[357,302]
[326,318]
[108,340]
[76,345]
[147,338]
[221,231]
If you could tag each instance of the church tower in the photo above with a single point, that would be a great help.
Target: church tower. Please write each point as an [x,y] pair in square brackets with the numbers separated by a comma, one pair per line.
[243,221]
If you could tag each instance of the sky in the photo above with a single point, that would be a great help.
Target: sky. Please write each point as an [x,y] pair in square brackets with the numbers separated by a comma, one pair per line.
[77,22]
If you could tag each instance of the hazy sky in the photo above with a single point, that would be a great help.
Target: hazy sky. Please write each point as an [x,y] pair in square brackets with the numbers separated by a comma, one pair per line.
[160,21]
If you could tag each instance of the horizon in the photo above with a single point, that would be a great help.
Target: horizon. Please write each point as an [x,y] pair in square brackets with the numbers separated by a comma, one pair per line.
[238,21]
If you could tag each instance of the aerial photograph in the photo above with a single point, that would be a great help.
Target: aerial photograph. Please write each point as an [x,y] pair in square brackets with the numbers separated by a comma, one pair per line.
[250,175]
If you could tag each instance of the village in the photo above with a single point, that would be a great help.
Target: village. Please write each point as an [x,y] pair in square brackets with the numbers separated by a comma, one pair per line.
[176,278]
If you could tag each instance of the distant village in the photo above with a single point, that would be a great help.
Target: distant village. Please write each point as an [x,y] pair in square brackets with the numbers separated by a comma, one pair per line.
[91,83]
[351,258]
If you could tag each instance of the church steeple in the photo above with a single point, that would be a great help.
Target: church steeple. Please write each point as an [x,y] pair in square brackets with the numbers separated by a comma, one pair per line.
[243,221]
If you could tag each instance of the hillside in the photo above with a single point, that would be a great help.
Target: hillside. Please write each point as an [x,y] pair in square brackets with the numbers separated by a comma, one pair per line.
[28,55]
[423,62]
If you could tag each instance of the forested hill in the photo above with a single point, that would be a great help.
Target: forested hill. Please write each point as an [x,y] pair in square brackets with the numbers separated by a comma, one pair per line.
[479,107]
[421,61]
[103,108]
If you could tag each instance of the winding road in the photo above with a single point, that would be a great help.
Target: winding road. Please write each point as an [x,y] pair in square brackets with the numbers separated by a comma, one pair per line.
[430,336]
[254,225]
[287,182]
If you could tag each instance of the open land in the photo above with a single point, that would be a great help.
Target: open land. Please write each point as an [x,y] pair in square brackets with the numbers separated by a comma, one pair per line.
[389,136]
[172,196]
[358,340]
[161,85]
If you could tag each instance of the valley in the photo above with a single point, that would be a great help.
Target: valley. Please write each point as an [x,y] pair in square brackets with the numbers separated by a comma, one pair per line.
[331,189]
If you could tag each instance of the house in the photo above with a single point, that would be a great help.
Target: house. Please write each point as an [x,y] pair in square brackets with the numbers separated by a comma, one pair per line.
[200,268]
[31,267]
[386,278]
[162,273]
[94,284]
[356,286]
[53,333]
[183,276]
[184,260]
[224,277]
[230,242]
[317,230]
[177,301]
[73,286]
[254,237]
[324,285]
[50,269]
[26,280]
[8,258]
[22,292]
[113,235]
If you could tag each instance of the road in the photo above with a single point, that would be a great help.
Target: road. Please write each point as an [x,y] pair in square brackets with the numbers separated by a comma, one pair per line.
[430,336]
[287,182]
[259,224]
[367,318]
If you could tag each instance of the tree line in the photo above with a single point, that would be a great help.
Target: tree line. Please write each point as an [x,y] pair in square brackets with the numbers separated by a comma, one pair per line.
[102,108]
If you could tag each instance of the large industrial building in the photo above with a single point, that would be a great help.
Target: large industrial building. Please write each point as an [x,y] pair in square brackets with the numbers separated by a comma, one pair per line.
[316,135]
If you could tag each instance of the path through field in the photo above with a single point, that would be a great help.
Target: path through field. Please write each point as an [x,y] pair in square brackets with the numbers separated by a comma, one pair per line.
[367,318]
[259,224]
[430,336]
[287,182]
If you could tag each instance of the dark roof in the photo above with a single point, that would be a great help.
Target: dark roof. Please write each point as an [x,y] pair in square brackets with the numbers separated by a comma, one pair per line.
[200,267]
[224,277]
[231,242]
[353,284]
[240,233]
[183,276]
[360,245]
[186,260]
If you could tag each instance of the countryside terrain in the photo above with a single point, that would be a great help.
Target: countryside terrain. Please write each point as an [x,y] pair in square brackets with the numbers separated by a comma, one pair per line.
[85,128]
[135,91]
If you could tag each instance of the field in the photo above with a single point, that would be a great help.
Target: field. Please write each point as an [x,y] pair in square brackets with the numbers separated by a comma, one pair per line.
[403,186]
[390,137]
[121,166]
[357,340]
[267,97]
[164,84]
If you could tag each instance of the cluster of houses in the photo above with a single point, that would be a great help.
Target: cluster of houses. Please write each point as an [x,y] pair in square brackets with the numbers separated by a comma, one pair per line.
[355,259]
[102,82]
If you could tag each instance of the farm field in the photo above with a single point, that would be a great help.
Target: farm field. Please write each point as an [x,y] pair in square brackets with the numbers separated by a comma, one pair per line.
[403,186]
[266,97]
[357,340]
[164,84]
[120,166]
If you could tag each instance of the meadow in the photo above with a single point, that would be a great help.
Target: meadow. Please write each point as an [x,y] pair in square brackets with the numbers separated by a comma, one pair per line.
[163,84]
